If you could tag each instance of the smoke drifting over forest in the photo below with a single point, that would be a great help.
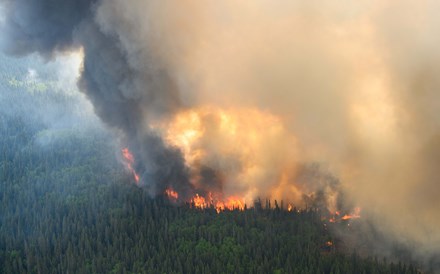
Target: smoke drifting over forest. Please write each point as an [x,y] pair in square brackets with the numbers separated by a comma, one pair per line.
[238,97]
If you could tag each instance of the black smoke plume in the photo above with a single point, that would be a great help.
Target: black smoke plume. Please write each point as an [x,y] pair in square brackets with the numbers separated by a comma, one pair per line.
[124,95]
[351,84]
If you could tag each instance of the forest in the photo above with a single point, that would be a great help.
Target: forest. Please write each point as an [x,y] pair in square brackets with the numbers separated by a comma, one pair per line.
[69,206]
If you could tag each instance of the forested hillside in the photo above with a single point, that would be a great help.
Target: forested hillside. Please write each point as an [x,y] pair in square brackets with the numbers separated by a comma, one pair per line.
[68,206]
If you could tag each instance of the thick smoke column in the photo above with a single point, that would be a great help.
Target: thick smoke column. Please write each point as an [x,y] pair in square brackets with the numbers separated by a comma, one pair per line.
[353,85]
[127,88]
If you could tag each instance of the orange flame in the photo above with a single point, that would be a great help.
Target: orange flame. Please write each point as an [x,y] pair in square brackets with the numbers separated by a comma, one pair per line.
[234,203]
[355,215]
[199,201]
[208,133]
[172,194]
[230,203]
[129,161]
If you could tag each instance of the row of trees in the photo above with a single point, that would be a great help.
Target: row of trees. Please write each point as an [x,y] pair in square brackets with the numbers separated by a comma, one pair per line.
[67,206]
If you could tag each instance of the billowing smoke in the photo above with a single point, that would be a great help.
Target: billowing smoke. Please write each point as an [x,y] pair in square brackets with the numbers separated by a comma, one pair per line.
[241,96]
[128,86]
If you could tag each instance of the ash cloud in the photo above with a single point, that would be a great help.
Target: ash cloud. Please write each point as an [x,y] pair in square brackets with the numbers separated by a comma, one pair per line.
[355,83]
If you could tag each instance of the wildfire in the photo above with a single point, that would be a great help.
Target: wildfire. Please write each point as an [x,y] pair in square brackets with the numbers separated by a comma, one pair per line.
[235,155]
[173,195]
[355,215]
[230,204]
[235,203]
[199,201]
[230,142]
[129,162]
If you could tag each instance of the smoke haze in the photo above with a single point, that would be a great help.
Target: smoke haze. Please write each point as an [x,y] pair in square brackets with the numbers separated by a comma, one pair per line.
[353,86]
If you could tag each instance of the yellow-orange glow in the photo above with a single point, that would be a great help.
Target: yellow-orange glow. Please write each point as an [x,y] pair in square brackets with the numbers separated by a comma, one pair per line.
[251,151]
[173,195]
[336,216]
[129,162]
[289,207]
[199,201]
[230,203]
[234,203]
[355,215]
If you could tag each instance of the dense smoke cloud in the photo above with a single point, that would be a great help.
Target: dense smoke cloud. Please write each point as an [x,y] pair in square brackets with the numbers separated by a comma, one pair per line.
[126,89]
[356,83]
[42,26]
[354,86]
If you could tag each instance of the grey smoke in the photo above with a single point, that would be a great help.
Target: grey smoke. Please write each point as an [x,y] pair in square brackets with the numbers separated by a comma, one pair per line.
[42,26]
[355,82]
[124,95]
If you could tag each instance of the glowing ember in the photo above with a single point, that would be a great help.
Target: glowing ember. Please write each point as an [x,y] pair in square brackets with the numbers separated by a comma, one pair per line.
[173,195]
[129,162]
[289,207]
[354,215]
